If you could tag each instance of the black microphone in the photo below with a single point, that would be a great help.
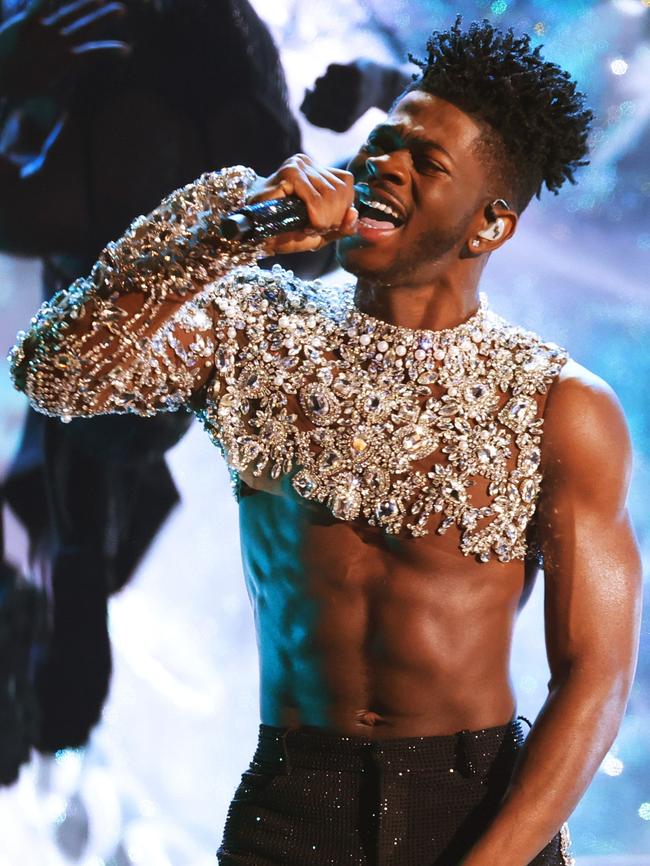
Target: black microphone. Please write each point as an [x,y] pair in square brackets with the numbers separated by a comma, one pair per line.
[265,219]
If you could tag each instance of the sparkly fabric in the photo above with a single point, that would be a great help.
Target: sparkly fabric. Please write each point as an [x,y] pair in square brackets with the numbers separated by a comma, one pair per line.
[310,796]
[377,421]
[409,430]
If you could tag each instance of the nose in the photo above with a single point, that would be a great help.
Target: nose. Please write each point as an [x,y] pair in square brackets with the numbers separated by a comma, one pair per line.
[387,166]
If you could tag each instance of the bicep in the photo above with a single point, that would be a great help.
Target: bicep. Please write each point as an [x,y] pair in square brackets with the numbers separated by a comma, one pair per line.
[592,566]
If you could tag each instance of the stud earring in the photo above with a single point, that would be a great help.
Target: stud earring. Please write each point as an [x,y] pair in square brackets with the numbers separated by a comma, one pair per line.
[475,242]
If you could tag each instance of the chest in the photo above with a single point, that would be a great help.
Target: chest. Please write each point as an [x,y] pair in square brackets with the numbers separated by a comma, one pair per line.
[404,431]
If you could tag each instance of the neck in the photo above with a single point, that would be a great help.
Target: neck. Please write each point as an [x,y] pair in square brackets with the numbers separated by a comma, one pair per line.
[443,303]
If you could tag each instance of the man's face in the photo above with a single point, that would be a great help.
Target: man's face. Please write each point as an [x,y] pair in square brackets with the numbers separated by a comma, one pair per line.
[423,162]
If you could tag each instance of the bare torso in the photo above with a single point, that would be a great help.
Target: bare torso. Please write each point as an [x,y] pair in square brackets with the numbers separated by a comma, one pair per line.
[364,633]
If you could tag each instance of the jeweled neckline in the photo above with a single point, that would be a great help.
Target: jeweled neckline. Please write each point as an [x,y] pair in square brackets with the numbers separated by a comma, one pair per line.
[372,324]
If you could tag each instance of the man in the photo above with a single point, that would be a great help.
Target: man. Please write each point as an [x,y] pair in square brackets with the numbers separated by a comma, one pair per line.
[388,441]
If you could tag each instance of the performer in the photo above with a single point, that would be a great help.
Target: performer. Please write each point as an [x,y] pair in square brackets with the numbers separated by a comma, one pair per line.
[403,457]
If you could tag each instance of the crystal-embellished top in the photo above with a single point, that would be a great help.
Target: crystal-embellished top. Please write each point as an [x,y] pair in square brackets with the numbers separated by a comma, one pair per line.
[409,430]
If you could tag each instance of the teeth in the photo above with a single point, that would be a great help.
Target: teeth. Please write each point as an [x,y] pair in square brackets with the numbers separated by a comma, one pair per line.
[379,205]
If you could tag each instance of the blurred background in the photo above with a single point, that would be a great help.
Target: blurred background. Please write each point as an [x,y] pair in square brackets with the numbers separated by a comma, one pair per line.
[152,785]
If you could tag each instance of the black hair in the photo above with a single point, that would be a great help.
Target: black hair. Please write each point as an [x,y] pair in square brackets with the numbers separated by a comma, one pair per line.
[535,122]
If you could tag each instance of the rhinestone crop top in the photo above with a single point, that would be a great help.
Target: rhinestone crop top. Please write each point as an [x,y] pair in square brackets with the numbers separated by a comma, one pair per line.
[409,430]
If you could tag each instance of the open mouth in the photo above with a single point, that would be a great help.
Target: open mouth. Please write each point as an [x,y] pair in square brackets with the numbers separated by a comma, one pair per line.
[378,215]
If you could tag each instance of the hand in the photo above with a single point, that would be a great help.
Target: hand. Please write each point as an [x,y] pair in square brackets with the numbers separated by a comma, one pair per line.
[347,90]
[336,99]
[38,50]
[328,194]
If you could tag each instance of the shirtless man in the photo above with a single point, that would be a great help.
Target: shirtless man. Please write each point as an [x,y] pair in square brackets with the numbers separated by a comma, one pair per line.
[387,446]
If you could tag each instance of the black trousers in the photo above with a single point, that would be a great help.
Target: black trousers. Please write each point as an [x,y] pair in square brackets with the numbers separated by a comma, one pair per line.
[313,797]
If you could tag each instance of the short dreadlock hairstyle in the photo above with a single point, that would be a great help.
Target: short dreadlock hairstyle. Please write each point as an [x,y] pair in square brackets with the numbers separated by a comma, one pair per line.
[534,119]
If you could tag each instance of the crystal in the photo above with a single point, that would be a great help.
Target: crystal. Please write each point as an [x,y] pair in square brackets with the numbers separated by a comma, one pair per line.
[325,375]
[476,391]
[449,407]
[486,453]
[528,490]
[303,483]
[529,461]
[387,509]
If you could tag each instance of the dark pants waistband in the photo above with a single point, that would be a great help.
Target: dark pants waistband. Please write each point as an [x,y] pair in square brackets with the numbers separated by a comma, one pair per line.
[467,752]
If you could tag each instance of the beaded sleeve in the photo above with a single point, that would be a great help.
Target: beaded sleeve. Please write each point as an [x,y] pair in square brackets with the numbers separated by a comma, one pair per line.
[131,337]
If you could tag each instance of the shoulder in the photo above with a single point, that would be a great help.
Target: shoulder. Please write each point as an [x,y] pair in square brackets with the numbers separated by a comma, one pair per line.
[582,401]
[586,436]
[258,290]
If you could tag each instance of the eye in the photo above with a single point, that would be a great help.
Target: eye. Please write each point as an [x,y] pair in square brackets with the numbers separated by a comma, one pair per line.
[428,165]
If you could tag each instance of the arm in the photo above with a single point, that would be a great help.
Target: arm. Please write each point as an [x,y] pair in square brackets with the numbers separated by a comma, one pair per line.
[138,335]
[125,339]
[592,612]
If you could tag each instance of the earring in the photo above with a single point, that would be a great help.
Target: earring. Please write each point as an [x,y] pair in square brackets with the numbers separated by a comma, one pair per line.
[475,242]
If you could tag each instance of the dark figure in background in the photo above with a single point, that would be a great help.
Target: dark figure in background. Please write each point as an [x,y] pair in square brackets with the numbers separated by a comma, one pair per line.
[127,101]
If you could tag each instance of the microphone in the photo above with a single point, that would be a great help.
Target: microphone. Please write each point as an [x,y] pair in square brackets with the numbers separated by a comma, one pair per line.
[265,219]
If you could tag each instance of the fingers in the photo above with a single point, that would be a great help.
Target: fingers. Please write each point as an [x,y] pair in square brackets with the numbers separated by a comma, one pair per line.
[70,12]
[107,45]
[300,242]
[328,194]
[101,16]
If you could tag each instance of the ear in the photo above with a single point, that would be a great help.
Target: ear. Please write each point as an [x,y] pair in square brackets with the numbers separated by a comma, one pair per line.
[498,224]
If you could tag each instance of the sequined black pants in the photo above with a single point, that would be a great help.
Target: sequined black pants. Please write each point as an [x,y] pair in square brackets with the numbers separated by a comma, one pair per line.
[312,797]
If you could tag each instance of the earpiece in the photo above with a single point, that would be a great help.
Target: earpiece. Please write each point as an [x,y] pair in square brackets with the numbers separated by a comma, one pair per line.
[493,231]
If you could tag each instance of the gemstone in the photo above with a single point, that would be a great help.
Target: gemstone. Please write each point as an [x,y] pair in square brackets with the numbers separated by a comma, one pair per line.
[387,509]
[475,391]
[449,407]
[228,403]
[453,489]
[376,479]
[303,483]
[529,461]
[345,501]
[319,403]
[417,441]
[528,490]
[359,444]
[325,376]
[487,453]
[251,382]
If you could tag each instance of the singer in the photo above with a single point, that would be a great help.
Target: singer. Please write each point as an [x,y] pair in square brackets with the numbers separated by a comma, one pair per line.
[405,462]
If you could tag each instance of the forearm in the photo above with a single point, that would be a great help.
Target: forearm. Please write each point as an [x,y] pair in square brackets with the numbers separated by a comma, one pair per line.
[88,350]
[565,747]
